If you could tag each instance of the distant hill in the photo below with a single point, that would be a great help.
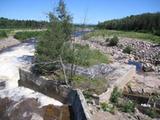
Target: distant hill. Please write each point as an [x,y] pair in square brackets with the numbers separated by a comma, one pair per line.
[147,22]
[11,23]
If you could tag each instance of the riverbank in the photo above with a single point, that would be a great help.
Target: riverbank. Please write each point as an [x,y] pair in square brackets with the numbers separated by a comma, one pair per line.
[8,42]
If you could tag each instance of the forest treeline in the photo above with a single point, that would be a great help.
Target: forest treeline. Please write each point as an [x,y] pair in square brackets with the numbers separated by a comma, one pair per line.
[147,22]
[6,23]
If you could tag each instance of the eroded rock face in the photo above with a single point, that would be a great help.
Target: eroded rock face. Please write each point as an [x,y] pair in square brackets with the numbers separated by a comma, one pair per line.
[29,109]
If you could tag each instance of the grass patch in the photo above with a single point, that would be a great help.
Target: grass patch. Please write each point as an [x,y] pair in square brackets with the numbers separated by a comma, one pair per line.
[109,33]
[108,107]
[84,56]
[128,107]
[115,95]
[122,104]
[151,112]
[90,85]
[22,36]
[3,34]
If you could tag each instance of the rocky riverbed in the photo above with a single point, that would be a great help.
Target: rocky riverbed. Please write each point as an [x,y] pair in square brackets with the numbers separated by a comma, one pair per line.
[148,54]
[145,52]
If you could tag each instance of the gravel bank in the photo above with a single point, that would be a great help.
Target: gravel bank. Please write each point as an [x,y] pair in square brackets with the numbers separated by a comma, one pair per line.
[8,42]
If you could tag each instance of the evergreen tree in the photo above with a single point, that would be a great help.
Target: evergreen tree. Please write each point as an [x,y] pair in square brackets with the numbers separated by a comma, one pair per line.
[148,22]
[50,46]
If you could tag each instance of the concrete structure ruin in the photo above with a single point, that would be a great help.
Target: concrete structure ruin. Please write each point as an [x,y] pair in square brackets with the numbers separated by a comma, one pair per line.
[75,98]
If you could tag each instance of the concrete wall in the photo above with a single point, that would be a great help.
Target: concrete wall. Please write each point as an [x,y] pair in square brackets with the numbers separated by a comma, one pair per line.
[120,82]
[74,98]
[50,88]
[79,105]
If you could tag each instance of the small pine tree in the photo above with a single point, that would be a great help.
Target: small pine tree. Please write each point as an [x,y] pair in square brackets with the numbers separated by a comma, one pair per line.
[114,41]
[50,46]
[127,49]
[65,19]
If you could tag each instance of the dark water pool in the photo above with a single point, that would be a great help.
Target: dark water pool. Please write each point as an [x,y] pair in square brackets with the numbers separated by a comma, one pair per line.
[137,64]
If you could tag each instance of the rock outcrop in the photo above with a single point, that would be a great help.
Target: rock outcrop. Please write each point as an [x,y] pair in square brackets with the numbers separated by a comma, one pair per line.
[30,109]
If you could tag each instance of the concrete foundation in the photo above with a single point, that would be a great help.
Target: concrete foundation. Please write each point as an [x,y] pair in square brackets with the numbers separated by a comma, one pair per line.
[119,78]
[74,98]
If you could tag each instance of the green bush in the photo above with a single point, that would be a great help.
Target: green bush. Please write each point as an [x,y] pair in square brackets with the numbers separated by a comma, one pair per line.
[3,34]
[128,107]
[83,56]
[156,32]
[107,40]
[27,34]
[88,95]
[151,112]
[115,95]
[128,49]
[104,106]
[107,107]
[51,45]
[114,41]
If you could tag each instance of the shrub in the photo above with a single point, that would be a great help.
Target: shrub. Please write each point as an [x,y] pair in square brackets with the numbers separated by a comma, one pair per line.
[104,106]
[114,41]
[156,32]
[107,40]
[88,95]
[91,85]
[107,107]
[27,34]
[127,49]
[83,55]
[115,95]
[3,34]
[85,37]
[128,107]
[51,45]
[151,112]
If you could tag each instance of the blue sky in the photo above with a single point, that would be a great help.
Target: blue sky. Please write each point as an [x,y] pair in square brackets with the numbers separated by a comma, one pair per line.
[94,10]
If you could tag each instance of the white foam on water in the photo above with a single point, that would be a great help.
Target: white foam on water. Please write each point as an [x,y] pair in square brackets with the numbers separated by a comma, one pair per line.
[10,62]
[20,93]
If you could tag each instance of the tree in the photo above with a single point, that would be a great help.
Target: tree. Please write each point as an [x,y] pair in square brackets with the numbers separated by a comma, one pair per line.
[114,41]
[50,47]
[9,23]
[65,19]
[147,22]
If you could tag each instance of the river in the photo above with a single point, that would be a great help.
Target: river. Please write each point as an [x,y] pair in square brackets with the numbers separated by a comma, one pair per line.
[11,60]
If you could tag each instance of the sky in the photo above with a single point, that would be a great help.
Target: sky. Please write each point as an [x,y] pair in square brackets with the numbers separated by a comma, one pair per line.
[93,10]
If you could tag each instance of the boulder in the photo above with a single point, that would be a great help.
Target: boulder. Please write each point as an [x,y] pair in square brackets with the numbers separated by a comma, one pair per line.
[30,109]
[147,67]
